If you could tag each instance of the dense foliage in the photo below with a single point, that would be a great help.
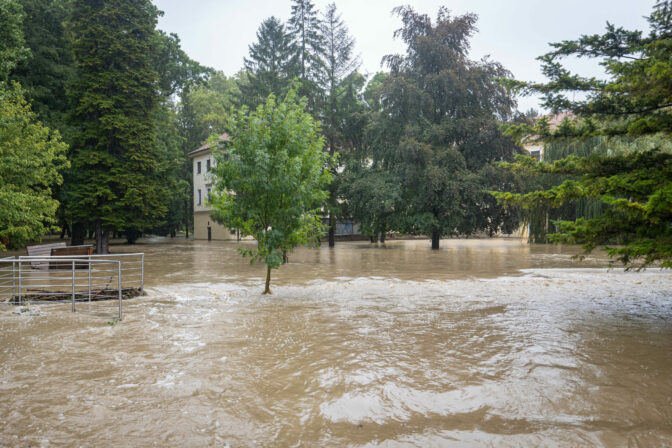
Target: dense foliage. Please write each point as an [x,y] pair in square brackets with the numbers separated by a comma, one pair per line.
[116,183]
[626,118]
[30,160]
[438,126]
[269,180]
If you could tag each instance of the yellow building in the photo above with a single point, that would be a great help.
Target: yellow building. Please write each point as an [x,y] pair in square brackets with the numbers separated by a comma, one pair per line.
[204,227]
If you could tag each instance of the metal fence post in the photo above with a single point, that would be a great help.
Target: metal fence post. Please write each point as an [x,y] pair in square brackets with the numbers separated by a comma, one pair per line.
[20,298]
[89,279]
[73,286]
[13,280]
[142,275]
[119,282]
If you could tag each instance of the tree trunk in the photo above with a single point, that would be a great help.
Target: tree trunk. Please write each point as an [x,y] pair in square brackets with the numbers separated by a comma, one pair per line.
[382,236]
[102,239]
[332,229]
[186,219]
[78,234]
[267,290]
[435,240]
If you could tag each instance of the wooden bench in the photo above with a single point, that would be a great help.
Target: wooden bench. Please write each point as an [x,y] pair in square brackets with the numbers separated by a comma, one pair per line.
[42,250]
[70,250]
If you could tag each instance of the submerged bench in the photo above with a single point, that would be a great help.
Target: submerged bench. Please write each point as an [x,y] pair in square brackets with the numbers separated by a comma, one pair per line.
[70,251]
[42,250]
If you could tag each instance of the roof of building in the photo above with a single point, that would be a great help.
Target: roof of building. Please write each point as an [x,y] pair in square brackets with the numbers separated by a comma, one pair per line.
[206,147]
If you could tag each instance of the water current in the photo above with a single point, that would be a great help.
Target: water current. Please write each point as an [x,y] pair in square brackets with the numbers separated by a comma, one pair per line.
[483,343]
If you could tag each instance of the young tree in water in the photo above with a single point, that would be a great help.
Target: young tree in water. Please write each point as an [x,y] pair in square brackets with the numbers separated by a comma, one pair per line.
[634,184]
[270,179]
[439,124]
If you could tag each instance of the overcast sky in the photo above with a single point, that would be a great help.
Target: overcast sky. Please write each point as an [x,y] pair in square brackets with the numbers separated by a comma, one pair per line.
[217,33]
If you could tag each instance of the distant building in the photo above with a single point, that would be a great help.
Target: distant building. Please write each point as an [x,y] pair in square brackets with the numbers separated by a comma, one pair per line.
[533,146]
[204,227]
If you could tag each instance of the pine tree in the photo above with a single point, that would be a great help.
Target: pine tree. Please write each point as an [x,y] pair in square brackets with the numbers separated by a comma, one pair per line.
[338,64]
[619,141]
[116,184]
[271,65]
[305,29]
[304,25]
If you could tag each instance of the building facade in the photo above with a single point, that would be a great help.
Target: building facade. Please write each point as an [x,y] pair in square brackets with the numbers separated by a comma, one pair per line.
[205,228]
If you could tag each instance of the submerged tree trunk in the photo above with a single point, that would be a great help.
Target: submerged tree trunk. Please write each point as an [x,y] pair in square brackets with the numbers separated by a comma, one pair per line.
[436,236]
[267,290]
[102,239]
[186,219]
[78,234]
[332,229]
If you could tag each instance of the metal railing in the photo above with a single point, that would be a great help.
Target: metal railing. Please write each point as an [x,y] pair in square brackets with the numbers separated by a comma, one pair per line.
[78,278]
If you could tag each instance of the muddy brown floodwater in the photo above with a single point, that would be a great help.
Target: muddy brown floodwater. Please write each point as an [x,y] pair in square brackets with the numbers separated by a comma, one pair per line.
[483,343]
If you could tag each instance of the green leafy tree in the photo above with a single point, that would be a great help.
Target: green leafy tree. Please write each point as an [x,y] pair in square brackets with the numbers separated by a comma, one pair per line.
[439,125]
[116,183]
[31,157]
[627,117]
[203,110]
[177,76]
[270,180]
[271,65]
[373,199]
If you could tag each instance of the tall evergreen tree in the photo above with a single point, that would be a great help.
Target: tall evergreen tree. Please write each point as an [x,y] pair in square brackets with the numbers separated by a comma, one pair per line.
[616,152]
[47,72]
[305,28]
[116,185]
[339,63]
[271,65]
[304,25]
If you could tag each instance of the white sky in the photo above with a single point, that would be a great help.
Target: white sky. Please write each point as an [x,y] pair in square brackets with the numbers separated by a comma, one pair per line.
[217,33]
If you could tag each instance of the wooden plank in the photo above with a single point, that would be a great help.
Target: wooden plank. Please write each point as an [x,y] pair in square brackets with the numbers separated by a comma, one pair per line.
[42,250]
[70,250]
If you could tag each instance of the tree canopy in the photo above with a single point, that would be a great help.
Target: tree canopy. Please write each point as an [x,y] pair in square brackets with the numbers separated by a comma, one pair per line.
[632,180]
[31,157]
[439,125]
[116,183]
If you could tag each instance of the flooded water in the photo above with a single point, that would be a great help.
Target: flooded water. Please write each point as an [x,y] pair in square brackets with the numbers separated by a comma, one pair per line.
[483,343]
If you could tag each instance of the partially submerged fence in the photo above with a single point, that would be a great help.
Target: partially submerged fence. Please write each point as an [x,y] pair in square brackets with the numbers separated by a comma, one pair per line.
[78,278]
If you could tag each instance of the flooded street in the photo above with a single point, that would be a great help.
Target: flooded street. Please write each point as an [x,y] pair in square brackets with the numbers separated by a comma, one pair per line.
[483,343]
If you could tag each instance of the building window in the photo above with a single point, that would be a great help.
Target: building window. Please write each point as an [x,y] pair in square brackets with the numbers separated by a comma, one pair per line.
[208,194]
[207,165]
[198,167]
[199,197]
